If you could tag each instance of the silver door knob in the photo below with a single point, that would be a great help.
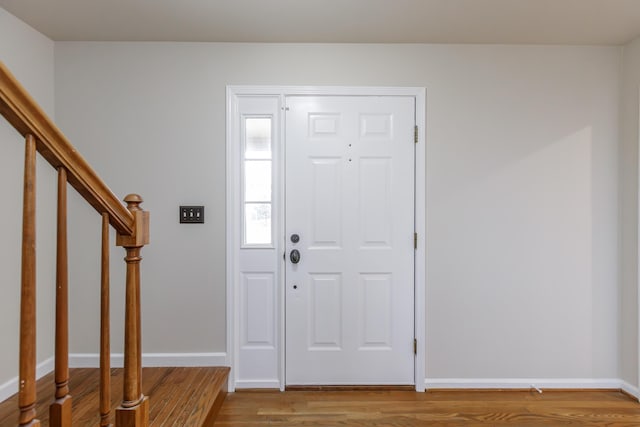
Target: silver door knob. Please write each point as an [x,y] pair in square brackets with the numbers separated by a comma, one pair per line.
[294,256]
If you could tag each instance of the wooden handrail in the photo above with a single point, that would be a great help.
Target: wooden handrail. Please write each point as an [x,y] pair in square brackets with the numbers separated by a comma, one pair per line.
[24,114]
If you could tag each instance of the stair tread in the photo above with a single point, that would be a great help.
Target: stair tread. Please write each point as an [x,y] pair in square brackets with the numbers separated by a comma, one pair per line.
[179,396]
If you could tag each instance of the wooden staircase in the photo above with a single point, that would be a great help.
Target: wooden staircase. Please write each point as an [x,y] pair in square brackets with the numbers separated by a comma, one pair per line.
[194,395]
[180,397]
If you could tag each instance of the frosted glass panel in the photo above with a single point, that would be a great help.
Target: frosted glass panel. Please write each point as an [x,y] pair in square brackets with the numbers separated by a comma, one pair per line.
[257,181]
[257,223]
[258,138]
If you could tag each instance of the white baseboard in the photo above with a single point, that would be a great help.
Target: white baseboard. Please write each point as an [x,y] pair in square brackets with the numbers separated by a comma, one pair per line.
[89,360]
[524,383]
[10,388]
[632,390]
[92,360]
[267,384]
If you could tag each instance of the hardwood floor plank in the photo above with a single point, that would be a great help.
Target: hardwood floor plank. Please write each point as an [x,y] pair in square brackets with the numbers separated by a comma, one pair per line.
[200,412]
[191,402]
[160,392]
[439,408]
[181,383]
[221,384]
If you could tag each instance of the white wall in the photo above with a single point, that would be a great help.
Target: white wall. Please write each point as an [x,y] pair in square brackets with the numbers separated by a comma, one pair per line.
[29,56]
[522,195]
[628,176]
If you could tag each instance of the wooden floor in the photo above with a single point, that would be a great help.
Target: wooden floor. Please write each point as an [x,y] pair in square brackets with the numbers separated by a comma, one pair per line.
[179,397]
[433,408]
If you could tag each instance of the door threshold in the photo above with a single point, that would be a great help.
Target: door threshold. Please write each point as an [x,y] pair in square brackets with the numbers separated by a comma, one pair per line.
[383,387]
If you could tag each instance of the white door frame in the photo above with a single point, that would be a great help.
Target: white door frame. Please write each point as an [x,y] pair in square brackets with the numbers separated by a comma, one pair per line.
[637,390]
[233,222]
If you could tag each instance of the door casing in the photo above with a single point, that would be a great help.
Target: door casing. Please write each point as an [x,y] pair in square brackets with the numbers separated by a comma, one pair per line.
[233,223]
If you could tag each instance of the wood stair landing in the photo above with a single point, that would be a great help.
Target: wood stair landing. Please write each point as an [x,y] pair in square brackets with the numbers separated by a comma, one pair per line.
[179,397]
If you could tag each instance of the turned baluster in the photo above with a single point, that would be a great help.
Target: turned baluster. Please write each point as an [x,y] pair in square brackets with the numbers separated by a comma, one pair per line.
[60,409]
[27,386]
[105,351]
[134,410]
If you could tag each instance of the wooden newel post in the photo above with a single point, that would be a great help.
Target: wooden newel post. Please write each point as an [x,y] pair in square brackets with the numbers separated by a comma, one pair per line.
[134,410]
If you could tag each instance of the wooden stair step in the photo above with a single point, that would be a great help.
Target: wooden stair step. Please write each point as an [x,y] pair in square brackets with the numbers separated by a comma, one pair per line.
[179,397]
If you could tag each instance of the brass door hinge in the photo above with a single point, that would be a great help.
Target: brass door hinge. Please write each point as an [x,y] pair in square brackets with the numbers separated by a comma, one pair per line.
[415,240]
[415,134]
[415,346]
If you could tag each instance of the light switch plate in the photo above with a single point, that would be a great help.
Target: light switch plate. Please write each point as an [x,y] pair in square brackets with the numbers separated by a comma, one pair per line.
[191,214]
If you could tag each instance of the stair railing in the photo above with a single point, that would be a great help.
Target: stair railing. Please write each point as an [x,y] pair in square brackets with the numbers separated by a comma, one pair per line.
[131,224]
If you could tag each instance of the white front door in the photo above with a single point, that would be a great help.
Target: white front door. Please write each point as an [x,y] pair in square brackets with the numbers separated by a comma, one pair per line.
[349,189]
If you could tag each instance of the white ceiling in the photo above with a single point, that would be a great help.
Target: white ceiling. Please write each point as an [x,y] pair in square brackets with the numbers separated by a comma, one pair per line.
[609,22]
